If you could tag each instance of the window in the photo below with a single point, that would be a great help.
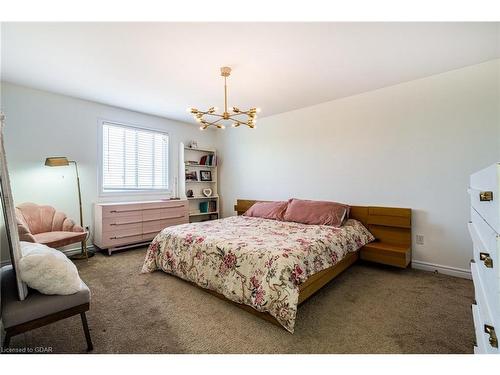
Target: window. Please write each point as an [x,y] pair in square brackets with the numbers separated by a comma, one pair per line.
[133,159]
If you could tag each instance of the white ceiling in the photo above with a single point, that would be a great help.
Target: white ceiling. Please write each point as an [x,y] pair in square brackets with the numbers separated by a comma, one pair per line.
[163,68]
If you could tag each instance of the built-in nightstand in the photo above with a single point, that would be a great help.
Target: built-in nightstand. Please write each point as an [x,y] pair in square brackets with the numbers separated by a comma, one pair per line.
[386,253]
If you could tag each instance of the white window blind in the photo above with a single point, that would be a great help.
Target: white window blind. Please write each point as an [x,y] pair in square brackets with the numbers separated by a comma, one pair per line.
[133,159]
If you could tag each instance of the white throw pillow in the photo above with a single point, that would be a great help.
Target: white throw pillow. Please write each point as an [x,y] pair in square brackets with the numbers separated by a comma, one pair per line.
[48,270]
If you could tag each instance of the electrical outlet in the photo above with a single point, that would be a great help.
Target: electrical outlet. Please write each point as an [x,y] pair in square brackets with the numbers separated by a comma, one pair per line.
[419,239]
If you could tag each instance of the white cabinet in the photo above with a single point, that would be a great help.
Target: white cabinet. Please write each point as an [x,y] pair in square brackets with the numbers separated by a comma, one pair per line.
[484,228]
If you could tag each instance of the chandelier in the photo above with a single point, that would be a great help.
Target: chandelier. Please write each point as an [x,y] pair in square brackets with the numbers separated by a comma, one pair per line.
[236,117]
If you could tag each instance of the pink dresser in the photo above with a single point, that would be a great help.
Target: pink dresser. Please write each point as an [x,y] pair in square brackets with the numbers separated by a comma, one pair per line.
[121,225]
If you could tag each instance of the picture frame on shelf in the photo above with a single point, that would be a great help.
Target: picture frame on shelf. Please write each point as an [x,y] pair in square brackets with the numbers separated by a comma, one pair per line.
[205,176]
[191,176]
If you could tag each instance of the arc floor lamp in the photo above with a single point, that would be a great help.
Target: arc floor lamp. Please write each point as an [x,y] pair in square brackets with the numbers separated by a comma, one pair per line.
[62,161]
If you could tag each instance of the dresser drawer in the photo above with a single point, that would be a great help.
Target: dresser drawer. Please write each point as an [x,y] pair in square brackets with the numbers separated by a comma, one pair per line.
[480,347]
[153,226]
[121,237]
[111,224]
[483,343]
[131,210]
[485,194]
[164,213]
[485,279]
[157,226]
[482,316]
[166,204]
[487,243]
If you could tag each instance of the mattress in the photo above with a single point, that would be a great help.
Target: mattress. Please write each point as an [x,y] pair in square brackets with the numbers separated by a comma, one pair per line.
[253,261]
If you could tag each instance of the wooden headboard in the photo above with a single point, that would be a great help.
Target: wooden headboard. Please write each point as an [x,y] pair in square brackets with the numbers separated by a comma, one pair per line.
[388,224]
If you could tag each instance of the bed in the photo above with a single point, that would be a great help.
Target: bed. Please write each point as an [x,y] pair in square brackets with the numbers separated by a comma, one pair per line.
[267,267]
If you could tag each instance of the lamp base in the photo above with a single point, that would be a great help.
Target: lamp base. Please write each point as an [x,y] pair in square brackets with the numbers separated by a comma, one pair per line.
[90,254]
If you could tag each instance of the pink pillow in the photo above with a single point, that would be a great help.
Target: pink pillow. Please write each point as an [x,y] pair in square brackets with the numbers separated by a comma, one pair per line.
[316,212]
[267,210]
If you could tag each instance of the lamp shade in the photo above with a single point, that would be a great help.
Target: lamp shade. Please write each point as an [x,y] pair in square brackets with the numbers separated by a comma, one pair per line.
[57,161]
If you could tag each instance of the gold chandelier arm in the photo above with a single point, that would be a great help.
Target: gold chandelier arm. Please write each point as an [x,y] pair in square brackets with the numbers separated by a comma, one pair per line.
[214,114]
[214,122]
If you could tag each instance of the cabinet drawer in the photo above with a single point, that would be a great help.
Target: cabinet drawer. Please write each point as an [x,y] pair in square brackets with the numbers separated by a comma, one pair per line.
[479,348]
[121,237]
[484,298]
[166,204]
[487,242]
[157,226]
[122,211]
[485,279]
[164,213]
[153,214]
[111,224]
[153,226]
[483,184]
[483,343]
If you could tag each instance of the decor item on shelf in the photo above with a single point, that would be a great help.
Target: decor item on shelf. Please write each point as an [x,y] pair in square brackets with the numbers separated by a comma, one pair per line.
[203,207]
[62,161]
[207,192]
[192,162]
[236,118]
[205,176]
[191,176]
[189,193]
[193,144]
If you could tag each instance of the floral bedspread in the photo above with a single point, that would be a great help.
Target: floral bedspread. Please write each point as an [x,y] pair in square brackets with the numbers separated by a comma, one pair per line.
[253,261]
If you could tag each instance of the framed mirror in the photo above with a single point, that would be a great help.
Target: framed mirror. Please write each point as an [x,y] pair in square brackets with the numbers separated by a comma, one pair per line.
[9,215]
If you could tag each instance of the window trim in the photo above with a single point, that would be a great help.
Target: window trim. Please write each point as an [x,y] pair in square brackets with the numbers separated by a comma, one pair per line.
[147,192]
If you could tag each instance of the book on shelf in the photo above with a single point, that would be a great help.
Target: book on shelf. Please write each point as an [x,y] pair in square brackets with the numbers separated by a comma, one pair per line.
[210,160]
[212,206]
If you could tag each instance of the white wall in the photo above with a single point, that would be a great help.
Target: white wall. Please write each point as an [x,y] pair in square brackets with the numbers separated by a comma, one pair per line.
[409,145]
[41,124]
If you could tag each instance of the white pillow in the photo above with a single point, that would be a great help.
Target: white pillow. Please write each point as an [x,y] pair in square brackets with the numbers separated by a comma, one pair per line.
[48,270]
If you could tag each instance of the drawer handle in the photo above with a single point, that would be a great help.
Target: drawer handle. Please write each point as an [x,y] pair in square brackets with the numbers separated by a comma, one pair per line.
[485,196]
[163,218]
[152,231]
[485,257]
[118,211]
[490,330]
[128,222]
[163,208]
[128,235]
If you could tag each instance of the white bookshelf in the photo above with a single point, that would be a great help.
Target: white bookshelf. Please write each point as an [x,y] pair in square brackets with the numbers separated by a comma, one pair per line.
[187,159]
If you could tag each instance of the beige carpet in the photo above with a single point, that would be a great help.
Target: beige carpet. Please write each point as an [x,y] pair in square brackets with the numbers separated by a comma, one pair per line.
[367,309]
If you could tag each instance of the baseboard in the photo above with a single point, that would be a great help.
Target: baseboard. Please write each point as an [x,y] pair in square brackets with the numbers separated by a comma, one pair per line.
[446,270]
[67,252]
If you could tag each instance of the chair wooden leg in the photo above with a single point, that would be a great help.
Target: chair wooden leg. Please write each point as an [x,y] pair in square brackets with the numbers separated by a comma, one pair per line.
[6,341]
[90,347]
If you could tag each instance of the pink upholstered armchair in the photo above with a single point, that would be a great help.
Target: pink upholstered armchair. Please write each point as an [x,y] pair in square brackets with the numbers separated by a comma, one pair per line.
[45,225]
